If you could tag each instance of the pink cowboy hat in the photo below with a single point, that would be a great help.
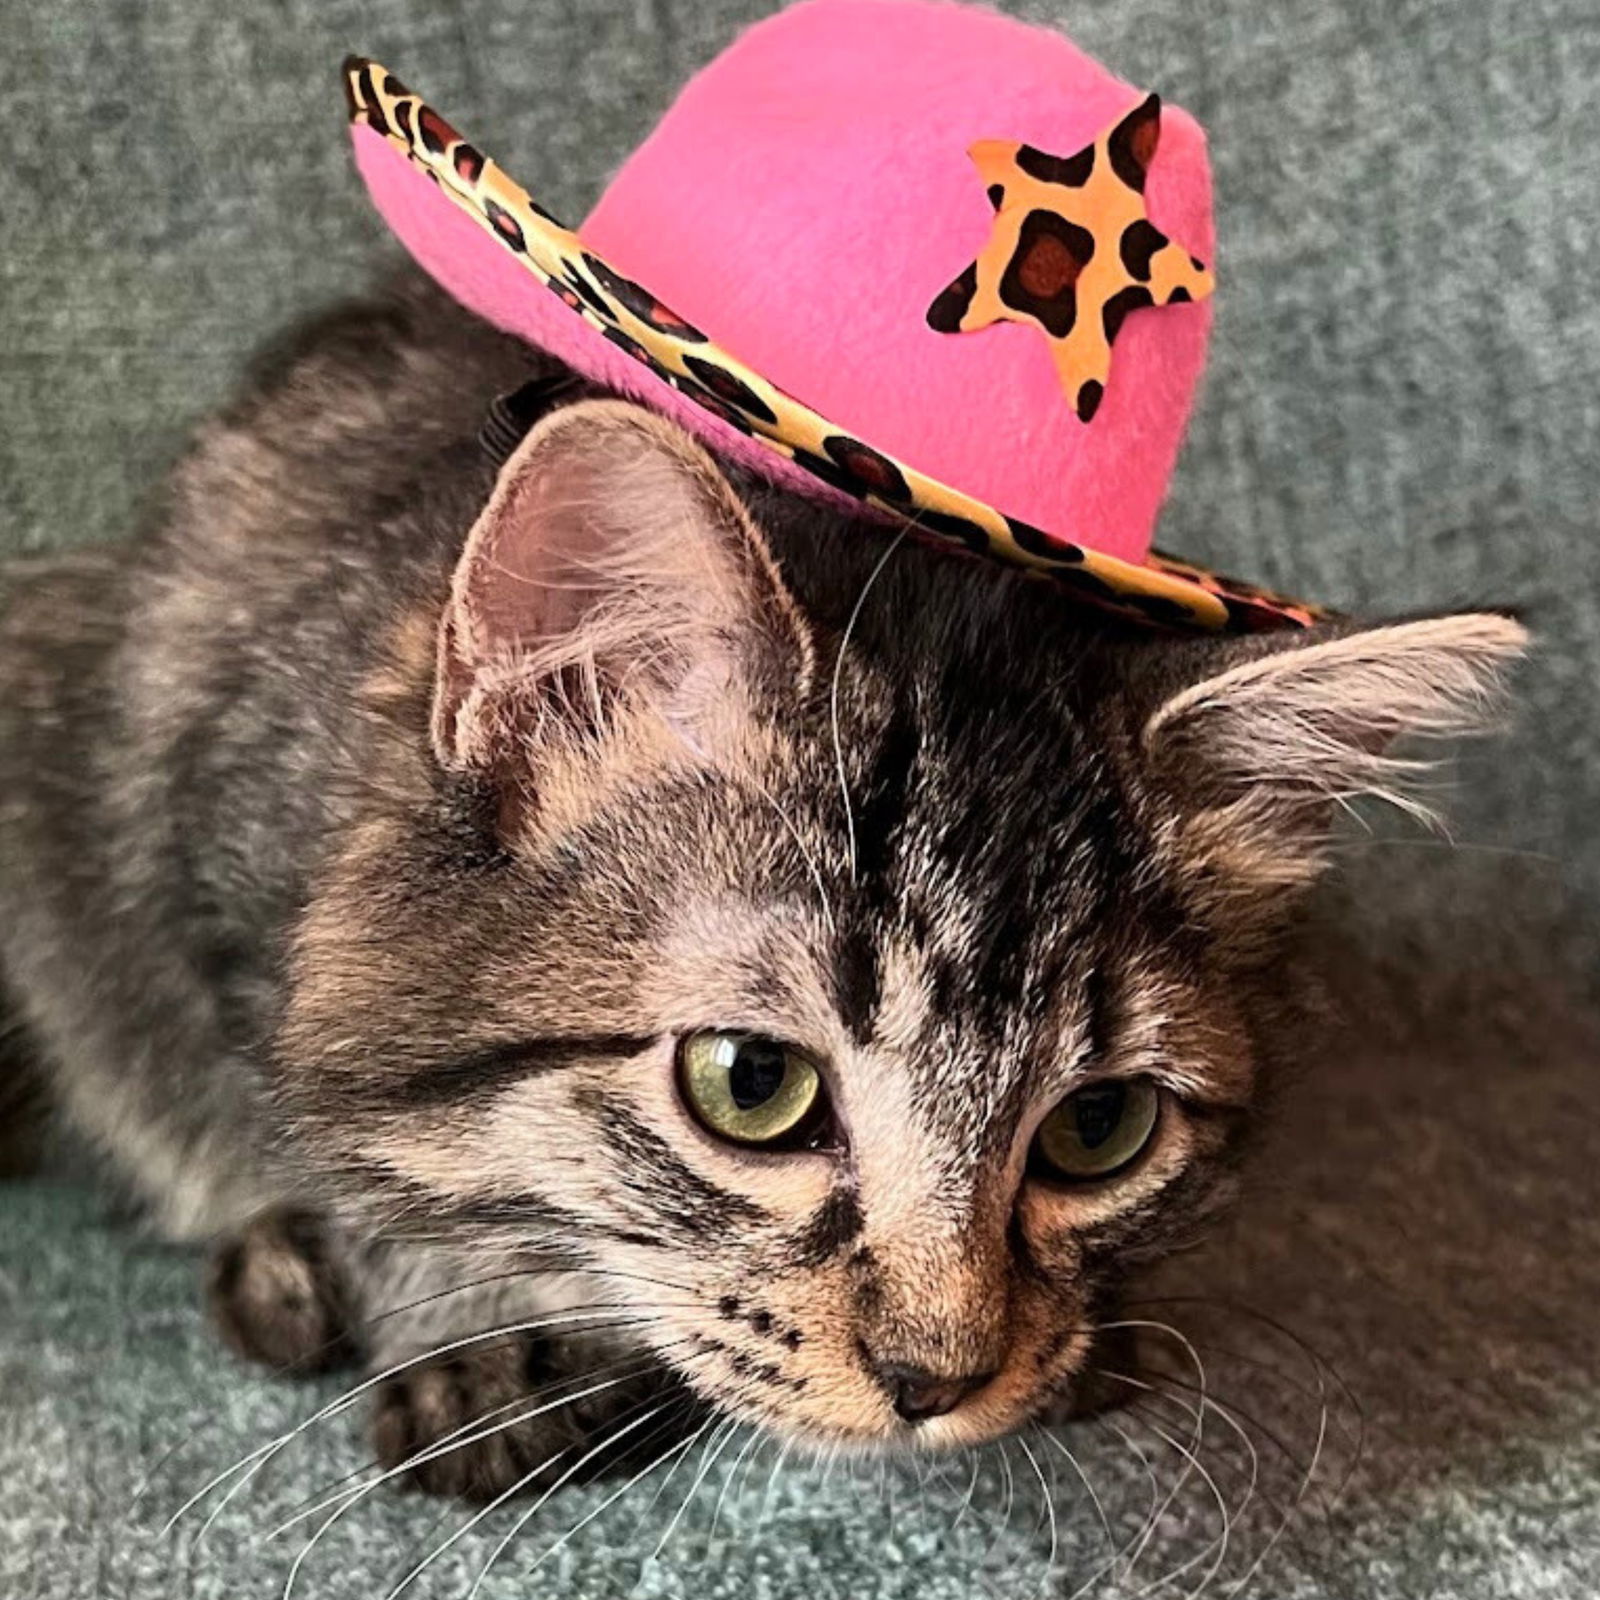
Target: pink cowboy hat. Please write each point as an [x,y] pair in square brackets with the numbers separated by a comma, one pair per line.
[911,252]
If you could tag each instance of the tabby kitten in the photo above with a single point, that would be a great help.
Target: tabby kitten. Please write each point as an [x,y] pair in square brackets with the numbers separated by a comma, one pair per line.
[617,892]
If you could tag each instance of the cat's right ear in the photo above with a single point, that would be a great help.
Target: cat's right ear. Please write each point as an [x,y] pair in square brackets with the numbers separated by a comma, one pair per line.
[1261,746]
[613,568]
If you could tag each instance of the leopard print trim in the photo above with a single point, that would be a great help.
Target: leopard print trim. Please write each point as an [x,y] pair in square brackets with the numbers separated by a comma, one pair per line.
[1165,592]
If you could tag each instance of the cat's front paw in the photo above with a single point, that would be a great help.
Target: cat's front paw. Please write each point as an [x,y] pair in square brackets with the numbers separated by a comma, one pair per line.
[277,1295]
[490,1418]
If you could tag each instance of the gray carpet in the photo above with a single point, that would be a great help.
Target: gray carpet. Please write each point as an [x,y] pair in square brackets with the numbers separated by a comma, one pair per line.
[1402,411]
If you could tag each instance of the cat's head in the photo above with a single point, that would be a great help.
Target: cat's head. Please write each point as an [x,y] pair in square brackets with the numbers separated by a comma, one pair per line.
[857,954]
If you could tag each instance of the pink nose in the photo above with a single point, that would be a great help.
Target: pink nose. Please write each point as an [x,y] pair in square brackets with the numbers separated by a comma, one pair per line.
[918,1394]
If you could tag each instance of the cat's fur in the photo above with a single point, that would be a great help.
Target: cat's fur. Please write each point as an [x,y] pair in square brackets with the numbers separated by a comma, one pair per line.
[354,892]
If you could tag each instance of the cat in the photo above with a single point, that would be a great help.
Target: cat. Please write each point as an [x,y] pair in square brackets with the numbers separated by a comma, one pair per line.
[762,962]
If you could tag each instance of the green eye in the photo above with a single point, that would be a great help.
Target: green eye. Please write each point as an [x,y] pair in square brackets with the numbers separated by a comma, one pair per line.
[748,1089]
[1097,1131]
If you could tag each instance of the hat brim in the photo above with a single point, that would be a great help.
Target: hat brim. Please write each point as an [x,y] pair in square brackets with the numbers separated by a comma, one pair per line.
[689,364]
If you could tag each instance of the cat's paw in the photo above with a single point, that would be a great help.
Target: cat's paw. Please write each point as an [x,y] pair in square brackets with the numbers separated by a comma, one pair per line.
[277,1296]
[487,1419]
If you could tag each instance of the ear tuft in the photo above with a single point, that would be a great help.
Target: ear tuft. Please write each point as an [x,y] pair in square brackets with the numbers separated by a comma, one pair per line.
[1257,756]
[613,562]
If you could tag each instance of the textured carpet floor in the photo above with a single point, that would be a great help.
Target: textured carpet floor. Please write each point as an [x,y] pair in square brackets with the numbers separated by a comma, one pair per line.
[1403,411]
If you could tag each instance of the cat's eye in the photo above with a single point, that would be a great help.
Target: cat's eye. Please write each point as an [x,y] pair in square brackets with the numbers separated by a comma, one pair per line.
[752,1090]
[1096,1131]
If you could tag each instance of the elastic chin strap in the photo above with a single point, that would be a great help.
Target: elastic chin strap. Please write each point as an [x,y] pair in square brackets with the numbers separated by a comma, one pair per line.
[513,414]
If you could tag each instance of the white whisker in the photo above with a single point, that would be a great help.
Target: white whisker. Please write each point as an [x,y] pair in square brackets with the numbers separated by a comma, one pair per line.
[685,1409]
[499,1500]
[1151,1513]
[1321,1367]
[714,1447]
[678,1449]
[1089,1489]
[471,1432]
[1294,1505]
[431,1454]
[1049,1504]
[1196,1438]
[253,1463]
[538,1505]
[1221,1411]
[772,1483]
[833,692]
[812,864]
[1009,1504]
[972,1489]
[727,1484]
[1219,1544]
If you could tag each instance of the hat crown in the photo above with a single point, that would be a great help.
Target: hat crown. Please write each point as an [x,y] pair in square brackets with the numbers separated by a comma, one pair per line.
[811,192]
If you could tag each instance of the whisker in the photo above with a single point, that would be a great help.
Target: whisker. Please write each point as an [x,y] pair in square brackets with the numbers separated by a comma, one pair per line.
[365,1323]
[1089,1489]
[727,1484]
[678,1450]
[328,1493]
[830,1465]
[1455,846]
[535,1270]
[922,1464]
[886,1490]
[1196,1439]
[1227,1417]
[1049,1505]
[259,1458]
[355,1494]
[762,1441]
[684,1409]
[1227,1408]
[1010,1504]
[510,1492]
[772,1483]
[972,1489]
[472,1432]
[833,692]
[306,1507]
[1119,1552]
[677,1455]
[1220,1543]
[1283,1523]
[812,864]
[1318,1362]
[433,1453]
[714,1447]
[1322,1369]
[538,1505]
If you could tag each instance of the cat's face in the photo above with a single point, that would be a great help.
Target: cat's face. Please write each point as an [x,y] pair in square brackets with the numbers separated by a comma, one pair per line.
[860,1016]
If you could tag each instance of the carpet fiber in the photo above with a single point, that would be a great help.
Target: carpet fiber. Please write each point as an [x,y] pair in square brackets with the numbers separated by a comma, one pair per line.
[1402,412]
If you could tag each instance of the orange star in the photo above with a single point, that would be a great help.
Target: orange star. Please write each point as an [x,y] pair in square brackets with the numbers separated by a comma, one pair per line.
[1072,251]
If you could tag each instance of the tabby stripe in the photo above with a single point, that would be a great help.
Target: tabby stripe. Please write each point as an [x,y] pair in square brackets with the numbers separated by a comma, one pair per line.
[677,1195]
[879,816]
[833,1228]
[520,1211]
[487,1072]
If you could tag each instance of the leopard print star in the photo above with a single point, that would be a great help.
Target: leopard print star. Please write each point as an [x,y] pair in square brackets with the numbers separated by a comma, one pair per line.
[1072,251]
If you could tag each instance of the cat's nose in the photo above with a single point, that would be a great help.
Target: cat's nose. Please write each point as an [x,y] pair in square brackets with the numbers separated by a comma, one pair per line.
[918,1394]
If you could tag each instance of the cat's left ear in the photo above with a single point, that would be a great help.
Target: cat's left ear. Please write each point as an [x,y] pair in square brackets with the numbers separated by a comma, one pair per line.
[1254,756]
[613,566]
